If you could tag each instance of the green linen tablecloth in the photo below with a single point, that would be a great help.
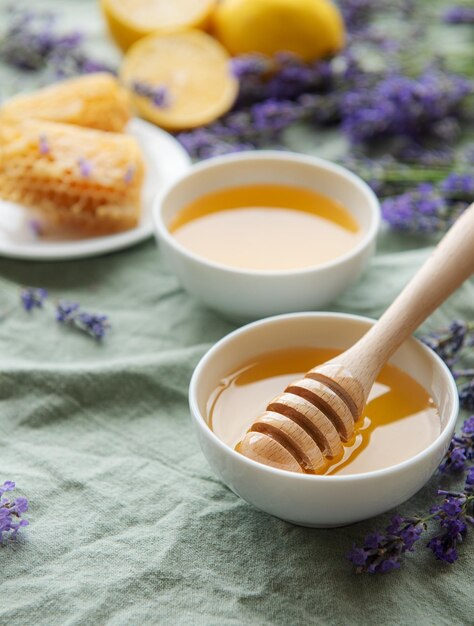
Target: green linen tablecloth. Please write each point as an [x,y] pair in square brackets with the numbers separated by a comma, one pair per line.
[128,523]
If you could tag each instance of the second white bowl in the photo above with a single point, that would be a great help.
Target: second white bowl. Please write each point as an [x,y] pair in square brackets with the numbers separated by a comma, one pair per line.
[305,499]
[247,294]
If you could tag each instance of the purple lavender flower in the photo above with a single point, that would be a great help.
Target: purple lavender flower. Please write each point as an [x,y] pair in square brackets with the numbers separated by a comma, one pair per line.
[470,480]
[8,485]
[32,43]
[448,343]
[43,145]
[468,429]
[399,106]
[440,156]
[11,511]
[158,96]
[129,174]
[294,77]
[452,523]
[85,167]
[203,143]
[459,186]
[466,395]
[245,129]
[33,297]
[357,14]
[422,210]
[459,15]
[250,66]
[430,208]
[283,77]
[381,552]
[455,459]
[71,314]
[272,116]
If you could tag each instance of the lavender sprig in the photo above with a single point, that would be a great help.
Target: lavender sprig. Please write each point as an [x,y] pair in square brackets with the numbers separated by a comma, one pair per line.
[450,344]
[11,511]
[459,14]
[260,124]
[461,449]
[452,515]
[31,42]
[381,551]
[430,208]
[420,114]
[410,109]
[68,313]
[71,314]
[158,96]
[33,297]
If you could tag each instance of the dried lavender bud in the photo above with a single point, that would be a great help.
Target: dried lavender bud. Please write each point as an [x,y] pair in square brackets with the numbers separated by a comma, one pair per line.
[129,174]
[461,449]
[43,145]
[33,297]
[11,511]
[85,167]
[158,96]
[35,228]
[459,15]
[381,551]
[70,313]
[448,343]
[451,515]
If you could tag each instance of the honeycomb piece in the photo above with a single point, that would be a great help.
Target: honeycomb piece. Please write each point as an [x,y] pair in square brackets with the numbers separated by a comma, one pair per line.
[95,101]
[87,181]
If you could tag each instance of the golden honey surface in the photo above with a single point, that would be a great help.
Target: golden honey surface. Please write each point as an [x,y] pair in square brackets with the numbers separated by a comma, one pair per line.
[266,227]
[400,419]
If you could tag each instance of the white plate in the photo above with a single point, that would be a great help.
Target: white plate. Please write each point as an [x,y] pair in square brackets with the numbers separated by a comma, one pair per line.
[165,161]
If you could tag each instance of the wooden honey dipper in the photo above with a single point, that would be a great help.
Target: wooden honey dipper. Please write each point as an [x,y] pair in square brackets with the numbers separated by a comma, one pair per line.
[306,426]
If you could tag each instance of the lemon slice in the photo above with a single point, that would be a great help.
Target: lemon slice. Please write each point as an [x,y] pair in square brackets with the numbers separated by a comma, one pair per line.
[191,68]
[130,20]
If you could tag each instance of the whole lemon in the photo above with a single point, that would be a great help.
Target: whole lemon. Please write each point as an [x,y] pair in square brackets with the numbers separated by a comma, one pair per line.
[311,29]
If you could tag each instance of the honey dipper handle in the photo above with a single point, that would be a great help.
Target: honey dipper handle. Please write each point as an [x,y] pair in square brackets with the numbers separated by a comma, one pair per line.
[450,264]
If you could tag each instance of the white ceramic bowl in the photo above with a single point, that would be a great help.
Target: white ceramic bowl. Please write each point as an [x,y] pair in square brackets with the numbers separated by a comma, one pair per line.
[248,294]
[311,500]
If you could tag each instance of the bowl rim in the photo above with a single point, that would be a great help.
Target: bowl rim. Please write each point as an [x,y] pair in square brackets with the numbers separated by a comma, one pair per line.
[200,421]
[260,155]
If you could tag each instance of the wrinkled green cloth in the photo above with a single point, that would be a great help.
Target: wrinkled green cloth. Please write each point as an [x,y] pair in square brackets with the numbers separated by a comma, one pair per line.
[129,525]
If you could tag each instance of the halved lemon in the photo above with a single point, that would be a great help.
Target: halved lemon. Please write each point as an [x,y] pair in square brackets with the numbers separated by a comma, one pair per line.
[193,71]
[130,20]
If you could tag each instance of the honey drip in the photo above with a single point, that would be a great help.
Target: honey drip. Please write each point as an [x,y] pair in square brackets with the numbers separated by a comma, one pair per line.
[266,227]
[400,418]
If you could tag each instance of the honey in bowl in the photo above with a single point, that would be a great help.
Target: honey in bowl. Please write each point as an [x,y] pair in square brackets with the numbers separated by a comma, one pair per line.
[400,419]
[266,227]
